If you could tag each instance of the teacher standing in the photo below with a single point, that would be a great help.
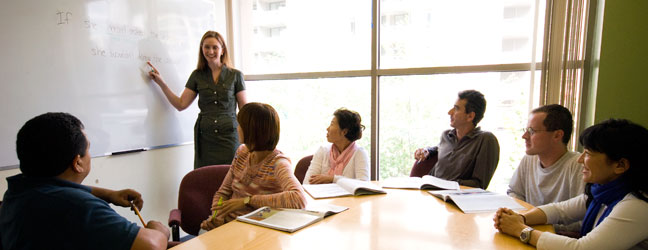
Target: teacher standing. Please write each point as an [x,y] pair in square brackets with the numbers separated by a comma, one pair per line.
[220,88]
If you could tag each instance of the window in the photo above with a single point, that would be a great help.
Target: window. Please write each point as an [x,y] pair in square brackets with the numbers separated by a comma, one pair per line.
[276,5]
[452,33]
[268,5]
[511,12]
[428,51]
[271,31]
[306,108]
[310,37]
[515,44]
[395,19]
[414,113]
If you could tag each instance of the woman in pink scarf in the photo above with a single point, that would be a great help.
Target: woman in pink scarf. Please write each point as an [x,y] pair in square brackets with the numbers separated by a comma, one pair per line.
[343,158]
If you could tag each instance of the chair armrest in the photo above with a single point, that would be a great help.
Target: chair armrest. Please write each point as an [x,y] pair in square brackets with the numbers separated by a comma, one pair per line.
[175,217]
[174,222]
[419,169]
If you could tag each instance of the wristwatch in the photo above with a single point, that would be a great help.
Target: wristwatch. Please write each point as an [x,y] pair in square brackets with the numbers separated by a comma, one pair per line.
[246,200]
[525,236]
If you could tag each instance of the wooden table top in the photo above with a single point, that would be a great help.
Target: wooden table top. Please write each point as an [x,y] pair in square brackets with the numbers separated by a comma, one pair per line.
[400,219]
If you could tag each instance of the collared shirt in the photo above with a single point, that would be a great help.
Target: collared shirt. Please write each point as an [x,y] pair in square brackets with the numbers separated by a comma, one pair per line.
[470,161]
[51,213]
[216,97]
[215,136]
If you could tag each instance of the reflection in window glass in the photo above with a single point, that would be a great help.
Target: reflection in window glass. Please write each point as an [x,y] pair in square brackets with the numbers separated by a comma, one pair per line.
[414,113]
[306,108]
[425,33]
[305,36]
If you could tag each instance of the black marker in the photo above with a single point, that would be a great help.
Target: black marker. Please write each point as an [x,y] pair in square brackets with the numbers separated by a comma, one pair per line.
[128,151]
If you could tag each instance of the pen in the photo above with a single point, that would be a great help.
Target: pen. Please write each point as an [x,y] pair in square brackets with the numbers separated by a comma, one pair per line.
[138,214]
[151,66]
[220,202]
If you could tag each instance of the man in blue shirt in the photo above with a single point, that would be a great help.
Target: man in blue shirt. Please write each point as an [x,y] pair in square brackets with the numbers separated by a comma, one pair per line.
[46,207]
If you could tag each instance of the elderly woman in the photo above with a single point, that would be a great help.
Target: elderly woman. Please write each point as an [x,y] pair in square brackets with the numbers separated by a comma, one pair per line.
[614,208]
[260,174]
[342,158]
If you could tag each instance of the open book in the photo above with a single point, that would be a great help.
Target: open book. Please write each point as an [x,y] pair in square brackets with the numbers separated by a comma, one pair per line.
[343,187]
[290,220]
[425,182]
[477,200]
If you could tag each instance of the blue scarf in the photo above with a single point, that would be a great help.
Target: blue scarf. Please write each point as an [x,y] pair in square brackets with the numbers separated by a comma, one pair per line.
[609,194]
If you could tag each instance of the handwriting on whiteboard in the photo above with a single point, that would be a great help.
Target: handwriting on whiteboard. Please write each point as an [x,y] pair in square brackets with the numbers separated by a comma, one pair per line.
[123,39]
[120,40]
[63,17]
[124,31]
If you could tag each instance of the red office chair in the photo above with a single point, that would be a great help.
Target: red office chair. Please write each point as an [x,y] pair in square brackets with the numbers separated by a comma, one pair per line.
[422,168]
[302,167]
[195,199]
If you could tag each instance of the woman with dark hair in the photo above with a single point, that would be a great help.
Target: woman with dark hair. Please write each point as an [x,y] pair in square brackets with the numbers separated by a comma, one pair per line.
[260,174]
[220,88]
[615,203]
[342,158]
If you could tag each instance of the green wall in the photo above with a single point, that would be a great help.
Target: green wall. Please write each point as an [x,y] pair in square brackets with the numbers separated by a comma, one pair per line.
[622,90]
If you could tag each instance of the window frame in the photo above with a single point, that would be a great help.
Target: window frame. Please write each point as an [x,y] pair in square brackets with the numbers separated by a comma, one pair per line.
[375,72]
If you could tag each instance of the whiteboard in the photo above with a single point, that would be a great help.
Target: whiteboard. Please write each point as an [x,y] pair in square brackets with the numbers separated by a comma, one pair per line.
[88,58]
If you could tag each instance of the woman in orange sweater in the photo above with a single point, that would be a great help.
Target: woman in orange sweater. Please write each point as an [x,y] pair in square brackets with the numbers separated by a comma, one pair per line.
[260,174]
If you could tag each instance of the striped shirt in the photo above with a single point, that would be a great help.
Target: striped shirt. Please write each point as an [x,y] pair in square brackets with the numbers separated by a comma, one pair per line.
[269,183]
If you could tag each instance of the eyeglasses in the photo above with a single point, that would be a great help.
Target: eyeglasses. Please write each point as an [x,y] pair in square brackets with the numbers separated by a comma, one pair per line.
[532,131]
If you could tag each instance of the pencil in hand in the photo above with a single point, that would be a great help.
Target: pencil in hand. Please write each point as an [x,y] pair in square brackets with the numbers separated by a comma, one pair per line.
[138,214]
[220,203]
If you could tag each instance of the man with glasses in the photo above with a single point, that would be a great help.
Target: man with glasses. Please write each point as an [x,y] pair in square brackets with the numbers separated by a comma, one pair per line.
[548,172]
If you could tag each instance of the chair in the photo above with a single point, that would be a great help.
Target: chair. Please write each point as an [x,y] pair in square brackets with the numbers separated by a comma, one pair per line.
[302,167]
[195,196]
[422,168]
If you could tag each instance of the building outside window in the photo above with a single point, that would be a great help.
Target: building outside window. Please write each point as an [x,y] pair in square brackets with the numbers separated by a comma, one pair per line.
[429,51]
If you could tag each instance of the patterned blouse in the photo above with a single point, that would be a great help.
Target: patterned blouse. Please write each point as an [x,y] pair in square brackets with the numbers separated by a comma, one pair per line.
[271,183]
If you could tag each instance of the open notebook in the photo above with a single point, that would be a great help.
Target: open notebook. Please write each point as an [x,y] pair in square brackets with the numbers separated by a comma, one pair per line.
[290,220]
[343,187]
[477,200]
[425,182]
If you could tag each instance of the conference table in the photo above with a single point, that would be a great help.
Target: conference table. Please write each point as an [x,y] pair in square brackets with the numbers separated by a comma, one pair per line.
[400,219]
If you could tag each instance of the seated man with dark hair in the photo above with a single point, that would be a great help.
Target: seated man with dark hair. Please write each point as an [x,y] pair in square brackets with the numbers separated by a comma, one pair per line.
[46,207]
[548,172]
[466,154]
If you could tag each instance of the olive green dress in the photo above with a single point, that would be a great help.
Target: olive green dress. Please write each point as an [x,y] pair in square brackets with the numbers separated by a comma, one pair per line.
[215,135]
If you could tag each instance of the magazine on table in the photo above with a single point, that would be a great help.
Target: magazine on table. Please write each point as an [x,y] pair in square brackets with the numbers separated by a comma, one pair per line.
[477,200]
[425,182]
[290,220]
[343,187]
